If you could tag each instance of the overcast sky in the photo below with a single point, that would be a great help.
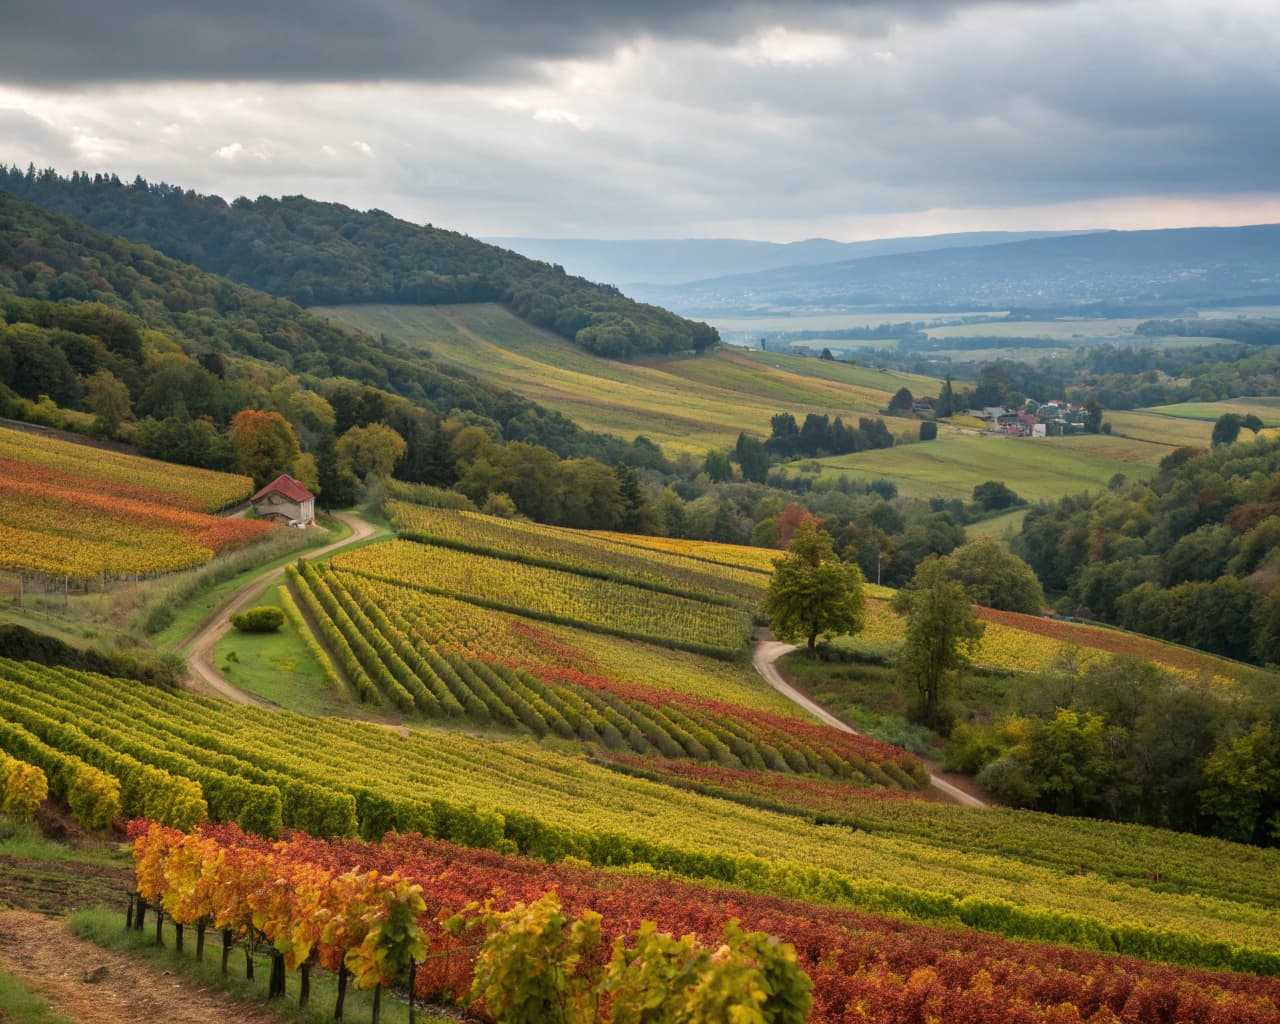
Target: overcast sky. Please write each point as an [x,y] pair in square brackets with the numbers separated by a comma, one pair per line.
[657,118]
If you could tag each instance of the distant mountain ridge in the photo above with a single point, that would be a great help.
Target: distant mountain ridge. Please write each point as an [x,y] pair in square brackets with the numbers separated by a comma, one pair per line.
[1155,270]
[640,262]
[317,253]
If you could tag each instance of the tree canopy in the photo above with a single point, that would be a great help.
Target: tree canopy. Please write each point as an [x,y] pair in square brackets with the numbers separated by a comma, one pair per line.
[812,592]
[993,576]
[941,627]
[317,253]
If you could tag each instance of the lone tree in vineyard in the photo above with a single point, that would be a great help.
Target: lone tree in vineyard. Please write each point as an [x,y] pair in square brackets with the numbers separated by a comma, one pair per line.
[812,591]
[941,628]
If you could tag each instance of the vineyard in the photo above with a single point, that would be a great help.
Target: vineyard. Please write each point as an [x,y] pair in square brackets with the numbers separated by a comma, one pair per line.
[1031,643]
[111,747]
[581,552]
[395,661]
[76,511]
[456,627]
[387,912]
[556,595]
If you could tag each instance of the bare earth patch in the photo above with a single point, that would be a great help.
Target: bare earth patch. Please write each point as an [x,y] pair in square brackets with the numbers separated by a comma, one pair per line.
[92,985]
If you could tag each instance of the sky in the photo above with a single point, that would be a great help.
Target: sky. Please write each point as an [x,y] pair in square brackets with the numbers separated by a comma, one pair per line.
[660,118]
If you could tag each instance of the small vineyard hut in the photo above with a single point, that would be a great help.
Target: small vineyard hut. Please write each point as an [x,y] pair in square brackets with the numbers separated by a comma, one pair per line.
[285,500]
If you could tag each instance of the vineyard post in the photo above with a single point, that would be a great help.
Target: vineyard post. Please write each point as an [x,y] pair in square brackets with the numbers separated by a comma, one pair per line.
[304,984]
[226,948]
[248,958]
[159,923]
[201,924]
[377,1003]
[275,984]
[413,977]
[343,975]
[128,916]
[140,915]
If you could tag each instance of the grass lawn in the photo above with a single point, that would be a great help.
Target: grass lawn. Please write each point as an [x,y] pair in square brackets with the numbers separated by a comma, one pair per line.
[105,928]
[277,666]
[685,404]
[1036,469]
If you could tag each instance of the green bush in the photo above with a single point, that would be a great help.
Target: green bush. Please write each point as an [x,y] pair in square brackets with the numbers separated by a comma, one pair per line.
[265,619]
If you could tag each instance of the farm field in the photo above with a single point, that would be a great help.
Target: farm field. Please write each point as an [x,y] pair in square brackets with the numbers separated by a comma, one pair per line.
[1035,469]
[267,769]
[685,405]
[1083,330]
[830,321]
[77,511]
[1266,409]
[1002,527]
[1169,429]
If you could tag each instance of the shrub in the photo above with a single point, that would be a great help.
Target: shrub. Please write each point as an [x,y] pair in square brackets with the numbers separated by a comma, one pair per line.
[265,619]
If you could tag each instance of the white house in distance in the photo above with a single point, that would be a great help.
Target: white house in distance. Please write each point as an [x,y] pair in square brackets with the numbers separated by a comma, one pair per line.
[285,500]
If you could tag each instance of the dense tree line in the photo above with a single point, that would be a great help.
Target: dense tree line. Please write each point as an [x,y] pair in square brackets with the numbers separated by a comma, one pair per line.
[1124,740]
[820,435]
[317,253]
[1192,556]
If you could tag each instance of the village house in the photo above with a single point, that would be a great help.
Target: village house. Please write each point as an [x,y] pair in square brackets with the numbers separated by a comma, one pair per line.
[285,500]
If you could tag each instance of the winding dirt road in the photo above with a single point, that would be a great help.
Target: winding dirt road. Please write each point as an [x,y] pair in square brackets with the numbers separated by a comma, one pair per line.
[205,678]
[765,655]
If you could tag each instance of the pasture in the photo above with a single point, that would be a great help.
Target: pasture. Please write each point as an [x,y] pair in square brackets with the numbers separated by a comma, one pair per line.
[1037,469]
[1266,409]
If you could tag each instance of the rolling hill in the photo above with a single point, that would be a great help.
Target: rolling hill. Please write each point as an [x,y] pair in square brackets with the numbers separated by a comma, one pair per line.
[628,262]
[685,404]
[1145,271]
[313,252]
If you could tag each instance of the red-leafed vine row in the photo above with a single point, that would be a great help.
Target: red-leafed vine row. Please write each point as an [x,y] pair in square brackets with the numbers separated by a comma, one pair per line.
[864,967]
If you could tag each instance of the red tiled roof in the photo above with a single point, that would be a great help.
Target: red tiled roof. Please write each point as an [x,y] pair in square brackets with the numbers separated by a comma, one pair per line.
[288,486]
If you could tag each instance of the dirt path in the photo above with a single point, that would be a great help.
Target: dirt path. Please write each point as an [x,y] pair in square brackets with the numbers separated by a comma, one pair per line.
[59,966]
[205,678]
[765,655]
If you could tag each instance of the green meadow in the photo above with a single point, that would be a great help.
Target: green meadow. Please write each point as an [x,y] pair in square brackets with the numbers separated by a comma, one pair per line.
[1266,409]
[686,404]
[1037,469]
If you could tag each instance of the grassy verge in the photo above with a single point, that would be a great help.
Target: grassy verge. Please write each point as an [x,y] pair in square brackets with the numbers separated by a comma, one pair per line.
[278,666]
[869,698]
[194,600]
[23,839]
[19,1005]
[106,928]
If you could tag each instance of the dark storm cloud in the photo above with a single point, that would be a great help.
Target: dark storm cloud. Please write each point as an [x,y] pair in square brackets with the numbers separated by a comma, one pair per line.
[65,42]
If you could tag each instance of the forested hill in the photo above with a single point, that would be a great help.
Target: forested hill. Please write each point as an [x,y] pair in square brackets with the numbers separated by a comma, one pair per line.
[77,301]
[328,254]
[1192,556]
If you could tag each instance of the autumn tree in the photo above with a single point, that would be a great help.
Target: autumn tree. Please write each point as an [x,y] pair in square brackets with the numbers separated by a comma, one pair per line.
[812,592]
[941,628]
[370,451]
[264,445]
[108,399]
